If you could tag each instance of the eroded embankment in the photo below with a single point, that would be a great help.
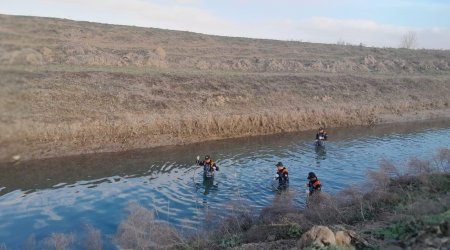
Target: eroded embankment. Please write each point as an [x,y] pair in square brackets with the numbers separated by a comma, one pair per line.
[71,87]
[50,111]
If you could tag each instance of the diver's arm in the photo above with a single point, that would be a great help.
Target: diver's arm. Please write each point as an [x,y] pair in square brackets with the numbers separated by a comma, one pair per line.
[198,162]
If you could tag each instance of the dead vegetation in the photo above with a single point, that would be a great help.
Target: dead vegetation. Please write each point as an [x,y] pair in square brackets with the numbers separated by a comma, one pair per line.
[59,241]
[75,87]
[140,230]
[53,41]
[93,239]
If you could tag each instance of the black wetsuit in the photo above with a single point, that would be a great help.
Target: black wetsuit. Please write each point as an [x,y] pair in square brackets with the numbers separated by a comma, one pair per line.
[208,168]
[314,186]
[283,178]
[321,136]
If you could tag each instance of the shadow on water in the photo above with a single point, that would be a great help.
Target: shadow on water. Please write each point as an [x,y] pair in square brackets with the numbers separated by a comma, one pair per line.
[321,154]
[207,185]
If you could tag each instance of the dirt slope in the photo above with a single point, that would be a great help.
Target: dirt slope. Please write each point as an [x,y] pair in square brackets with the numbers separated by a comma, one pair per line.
[77,87]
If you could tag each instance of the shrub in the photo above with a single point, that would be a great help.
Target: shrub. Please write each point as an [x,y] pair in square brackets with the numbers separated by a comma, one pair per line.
[332,247]
[281,206]
[437,218]
[232,240]
[443,160]
[30,243]
[59,241]
[294,231]
[140,230]
[397,231]
[93,238]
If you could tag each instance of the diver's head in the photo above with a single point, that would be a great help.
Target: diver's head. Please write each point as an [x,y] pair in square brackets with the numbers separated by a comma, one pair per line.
[279,165]
[311,176]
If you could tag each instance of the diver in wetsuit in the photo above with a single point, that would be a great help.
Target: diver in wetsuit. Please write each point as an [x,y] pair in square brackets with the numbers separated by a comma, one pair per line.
[209,166]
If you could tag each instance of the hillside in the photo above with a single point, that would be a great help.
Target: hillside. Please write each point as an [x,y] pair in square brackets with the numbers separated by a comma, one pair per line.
[77,87]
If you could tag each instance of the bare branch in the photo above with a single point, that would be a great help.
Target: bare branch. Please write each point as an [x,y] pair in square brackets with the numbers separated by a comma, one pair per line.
[409,40]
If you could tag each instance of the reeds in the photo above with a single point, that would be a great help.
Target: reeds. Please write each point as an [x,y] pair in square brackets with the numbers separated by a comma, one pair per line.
[139,131]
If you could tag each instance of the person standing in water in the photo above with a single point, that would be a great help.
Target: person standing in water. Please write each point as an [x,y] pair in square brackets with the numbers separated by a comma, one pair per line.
[314,184]
[321,136]
[282,176]
[209,166]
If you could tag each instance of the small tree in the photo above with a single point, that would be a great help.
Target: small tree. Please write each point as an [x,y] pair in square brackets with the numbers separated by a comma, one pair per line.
[409,40]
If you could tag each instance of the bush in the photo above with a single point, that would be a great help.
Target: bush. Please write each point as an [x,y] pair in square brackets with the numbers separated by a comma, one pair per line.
[140,230]
[232,240]
[397,231]
[328,248]
[436,219]
[294,231]
[93,238]
[59,241]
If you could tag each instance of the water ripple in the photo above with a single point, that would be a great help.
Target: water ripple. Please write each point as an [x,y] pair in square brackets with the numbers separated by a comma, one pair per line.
[172,185]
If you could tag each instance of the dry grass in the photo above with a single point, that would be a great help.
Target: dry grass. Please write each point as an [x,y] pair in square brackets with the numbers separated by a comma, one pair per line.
[59,241]
[93,238]
[140,231]
[381,178]
[442,161]
[28,40]
[75,87]
[109,116]
[282,205]
[30,243]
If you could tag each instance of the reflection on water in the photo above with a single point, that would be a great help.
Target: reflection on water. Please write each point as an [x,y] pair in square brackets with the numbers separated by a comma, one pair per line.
[207,185]
[62,195]
[321,154]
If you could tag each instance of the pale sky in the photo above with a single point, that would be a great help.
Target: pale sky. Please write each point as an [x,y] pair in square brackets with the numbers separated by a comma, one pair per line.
[378,23]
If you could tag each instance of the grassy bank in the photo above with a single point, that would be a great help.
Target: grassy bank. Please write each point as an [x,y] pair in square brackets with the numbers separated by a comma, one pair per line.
[76,87]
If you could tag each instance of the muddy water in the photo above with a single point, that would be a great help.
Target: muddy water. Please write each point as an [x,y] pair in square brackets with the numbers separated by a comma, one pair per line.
[63,195]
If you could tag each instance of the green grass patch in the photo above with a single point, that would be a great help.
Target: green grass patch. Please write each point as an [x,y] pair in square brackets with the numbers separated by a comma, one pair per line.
[327,248]
[397,231]
[232,240]
[403,230]
[436,219]
[294,231]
